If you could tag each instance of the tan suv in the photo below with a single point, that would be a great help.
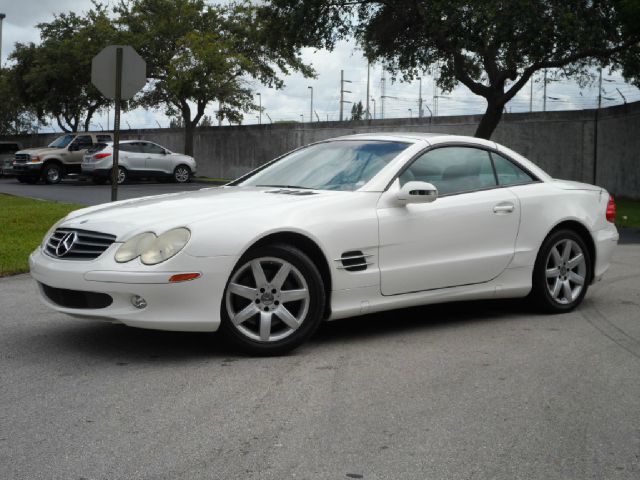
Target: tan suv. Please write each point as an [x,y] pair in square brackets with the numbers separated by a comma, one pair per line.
[61,157]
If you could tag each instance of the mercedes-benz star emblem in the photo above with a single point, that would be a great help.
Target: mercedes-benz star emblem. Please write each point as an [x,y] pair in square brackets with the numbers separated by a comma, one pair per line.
[66,243]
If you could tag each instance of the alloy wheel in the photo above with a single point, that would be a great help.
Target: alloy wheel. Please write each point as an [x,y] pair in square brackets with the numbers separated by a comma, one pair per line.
[182,174]
[565,271]
[267,299]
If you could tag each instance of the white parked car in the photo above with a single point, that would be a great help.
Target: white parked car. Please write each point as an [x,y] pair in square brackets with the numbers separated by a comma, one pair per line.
[137,159]
[338,228]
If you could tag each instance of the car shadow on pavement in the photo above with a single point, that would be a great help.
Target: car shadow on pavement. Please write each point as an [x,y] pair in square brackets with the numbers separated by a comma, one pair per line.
[134,345]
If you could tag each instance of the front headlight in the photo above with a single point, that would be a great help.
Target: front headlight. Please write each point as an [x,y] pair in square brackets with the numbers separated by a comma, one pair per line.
[152,249]
[165,246]
[134,247]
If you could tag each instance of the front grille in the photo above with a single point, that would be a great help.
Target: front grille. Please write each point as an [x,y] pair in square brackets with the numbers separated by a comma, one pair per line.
[76,298]
[22,157]
[75,244]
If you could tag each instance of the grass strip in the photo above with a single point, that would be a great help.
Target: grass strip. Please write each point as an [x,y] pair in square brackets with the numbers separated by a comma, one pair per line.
[23,224]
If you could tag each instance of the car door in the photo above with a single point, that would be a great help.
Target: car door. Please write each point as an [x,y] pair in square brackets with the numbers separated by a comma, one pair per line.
[466,236]
[77,149]
[131,157]
[156,158]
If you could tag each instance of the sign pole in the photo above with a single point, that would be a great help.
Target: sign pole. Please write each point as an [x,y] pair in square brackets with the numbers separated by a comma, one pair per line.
[116,127]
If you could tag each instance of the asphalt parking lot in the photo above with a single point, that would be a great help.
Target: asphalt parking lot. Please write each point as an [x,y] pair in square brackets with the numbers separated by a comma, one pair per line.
[486,390]
[84,192]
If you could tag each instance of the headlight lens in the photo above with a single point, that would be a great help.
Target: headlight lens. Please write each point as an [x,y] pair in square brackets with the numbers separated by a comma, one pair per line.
[165,246]
[134,247]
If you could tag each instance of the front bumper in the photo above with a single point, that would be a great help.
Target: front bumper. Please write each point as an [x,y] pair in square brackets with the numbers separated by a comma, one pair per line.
[27,169]
[186,306]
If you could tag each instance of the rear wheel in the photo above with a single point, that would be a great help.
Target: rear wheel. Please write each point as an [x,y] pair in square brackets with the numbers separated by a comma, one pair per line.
[273,302]
[562,272]
[122,175]
[52,173]
[182,174]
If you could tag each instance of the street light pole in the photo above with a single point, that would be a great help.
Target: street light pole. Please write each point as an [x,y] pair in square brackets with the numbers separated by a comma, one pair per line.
[410,113]
[311,108]
[374,107]
[420,99]
[260,108]
[2,17]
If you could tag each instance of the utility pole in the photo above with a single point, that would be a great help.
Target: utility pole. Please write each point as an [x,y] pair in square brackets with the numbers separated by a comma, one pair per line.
[382,96]
[600,89]
[531,94]
[311,108]
[368,76]
[342,92]
[410,113]
[544,99]
[420,99]
[374,107]
[259,108]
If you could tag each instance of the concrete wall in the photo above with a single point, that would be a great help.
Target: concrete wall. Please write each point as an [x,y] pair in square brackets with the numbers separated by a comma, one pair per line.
[562,143]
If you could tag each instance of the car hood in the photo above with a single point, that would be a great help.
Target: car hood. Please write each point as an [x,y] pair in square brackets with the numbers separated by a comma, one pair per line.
[223,205]
[39,151]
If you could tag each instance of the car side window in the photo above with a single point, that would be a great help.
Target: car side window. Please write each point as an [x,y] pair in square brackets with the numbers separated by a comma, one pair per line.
[152,148]
[452,170]
[508,173]
[130,147]
[83,141]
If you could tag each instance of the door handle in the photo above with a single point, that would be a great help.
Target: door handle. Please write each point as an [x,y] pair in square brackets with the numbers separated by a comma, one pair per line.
[503,208]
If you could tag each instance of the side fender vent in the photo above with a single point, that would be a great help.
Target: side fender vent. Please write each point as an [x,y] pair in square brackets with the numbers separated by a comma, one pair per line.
[354,261]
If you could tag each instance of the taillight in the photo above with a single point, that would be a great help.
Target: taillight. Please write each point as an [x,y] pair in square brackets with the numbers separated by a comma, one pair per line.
[100,156]
[611,210]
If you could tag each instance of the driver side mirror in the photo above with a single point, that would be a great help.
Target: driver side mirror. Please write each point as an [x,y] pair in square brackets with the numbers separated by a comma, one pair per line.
[417,192]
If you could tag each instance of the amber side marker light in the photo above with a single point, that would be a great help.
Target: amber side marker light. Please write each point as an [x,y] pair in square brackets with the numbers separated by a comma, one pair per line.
[183,277]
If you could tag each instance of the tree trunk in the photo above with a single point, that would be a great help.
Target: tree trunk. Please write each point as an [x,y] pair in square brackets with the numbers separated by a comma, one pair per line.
[490,120]
[189,128]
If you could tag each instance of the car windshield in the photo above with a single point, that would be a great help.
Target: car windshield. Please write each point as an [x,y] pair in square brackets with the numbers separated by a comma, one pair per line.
[338,165]
[62,142]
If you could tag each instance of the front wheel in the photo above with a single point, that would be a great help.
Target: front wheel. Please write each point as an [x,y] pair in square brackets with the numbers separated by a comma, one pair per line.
[52,173]
[562,272]
[182,174]
[273,302]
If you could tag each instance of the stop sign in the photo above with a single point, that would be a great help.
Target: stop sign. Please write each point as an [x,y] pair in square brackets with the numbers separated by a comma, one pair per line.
[103,71]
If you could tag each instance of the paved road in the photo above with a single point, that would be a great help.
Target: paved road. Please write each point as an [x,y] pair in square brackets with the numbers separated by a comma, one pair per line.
[86,193]
[486,390]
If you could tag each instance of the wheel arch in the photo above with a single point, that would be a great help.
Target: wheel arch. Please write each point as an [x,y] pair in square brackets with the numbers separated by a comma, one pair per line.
[584,233]
[310,248]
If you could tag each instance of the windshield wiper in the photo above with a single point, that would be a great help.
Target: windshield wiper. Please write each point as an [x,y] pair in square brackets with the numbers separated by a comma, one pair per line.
[287,186]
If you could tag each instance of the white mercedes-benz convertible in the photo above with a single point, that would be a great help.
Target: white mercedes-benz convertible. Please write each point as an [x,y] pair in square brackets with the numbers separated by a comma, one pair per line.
[342,227]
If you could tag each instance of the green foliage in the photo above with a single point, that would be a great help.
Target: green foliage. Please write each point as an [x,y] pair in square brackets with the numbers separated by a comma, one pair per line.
[357,111]
[53,78]
[15,119]
[491,46]
[24,222]
[198,53]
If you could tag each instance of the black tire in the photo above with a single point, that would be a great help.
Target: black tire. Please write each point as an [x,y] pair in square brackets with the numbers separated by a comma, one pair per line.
[181,174]
[99,180]
[543,285]
[310,310]
[52,173]
[123,175]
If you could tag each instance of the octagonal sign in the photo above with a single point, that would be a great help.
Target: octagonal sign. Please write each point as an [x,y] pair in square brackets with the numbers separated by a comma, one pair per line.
[103,71]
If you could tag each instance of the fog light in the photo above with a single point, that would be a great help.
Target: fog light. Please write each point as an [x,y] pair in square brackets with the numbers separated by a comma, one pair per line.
[138,302]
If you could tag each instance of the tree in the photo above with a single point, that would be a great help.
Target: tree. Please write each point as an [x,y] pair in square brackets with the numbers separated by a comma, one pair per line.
[15,118]
[357,111]
[198,53]
[493,47]
[53,78]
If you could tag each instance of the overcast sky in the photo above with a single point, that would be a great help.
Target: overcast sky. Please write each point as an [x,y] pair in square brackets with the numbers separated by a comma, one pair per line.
[294,99]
